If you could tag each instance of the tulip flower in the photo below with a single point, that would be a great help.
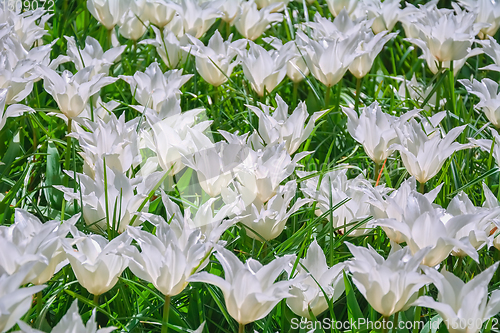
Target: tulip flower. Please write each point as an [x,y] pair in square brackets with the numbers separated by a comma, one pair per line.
[371,47]
[479,231]
[424,154]
[492,49]
[230,10]
[15,110]
[249,289]
[342,27]
[491,202]
[72,92]
[323,285]
[264,69]
[215,167]
[336,6]
[385,14]
[124,197]
[489,97]
[131,26]
[168,258]
[168,46]
[389,285]
[252,22]
[488,146]
[393,206]
[264,3]
[280,127]
[17,79]
[487,12]
[153,87]
[329,59]
[417,91]
[333,190]
[30,241]
[197,17]
[114,140]
[266,221]
[159,12]
[375,130]
[262,172]
[174,137]
[425,226]
[296,69]
[92,55]
[15,301]
[28,25]
[108,12]
[215,62]
[96,262]
[446,37]
[463,306]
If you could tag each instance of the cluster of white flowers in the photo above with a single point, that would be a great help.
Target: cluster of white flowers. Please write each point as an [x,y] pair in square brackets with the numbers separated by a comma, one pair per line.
[250,183]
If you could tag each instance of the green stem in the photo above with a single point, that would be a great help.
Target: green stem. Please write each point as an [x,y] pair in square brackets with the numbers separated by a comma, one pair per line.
[39,303]
[166,312]
[395,322]
[66,163]
[327,96]
[96,300]
[377,171]
[418,311]
[421,188]
[295,93]
[452,87]
[385,327]
[358,92]
[241,328]
[109,43]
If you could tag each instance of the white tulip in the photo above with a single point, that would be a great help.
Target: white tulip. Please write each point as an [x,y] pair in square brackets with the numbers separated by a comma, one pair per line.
[463,306]
[170,257]
[15,110]
[249,289]
[17,79]
[488,146]
[152,87]
[342,27]
[333,190]
[336,6]
[370,47]
[280,127]
[323,285]
[264,69]
[168,46]
[30,241]
[214,62]
[124,197]
[393,206]
[489,97]
[389,285]
[252,22]
[447,37]
[114,140]
[424,154]
[159,12]
[488,12]
[492,49]
[197,18]
[108,12]
[131,26]
[491,202]
[264,3]
[72,92]
[417,91]
[27,27]
[15,301]
[230,10]
[375,130]
[424,226]
[93,55]
[296,69]
[329,59]
[266,221]
[385,14]
[97,262]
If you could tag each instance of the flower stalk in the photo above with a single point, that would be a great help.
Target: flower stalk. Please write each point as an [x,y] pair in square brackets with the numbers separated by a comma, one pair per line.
[166,312]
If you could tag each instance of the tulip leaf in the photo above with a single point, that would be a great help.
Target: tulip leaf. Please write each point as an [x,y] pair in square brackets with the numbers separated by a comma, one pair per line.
[353,309]
[53,176]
